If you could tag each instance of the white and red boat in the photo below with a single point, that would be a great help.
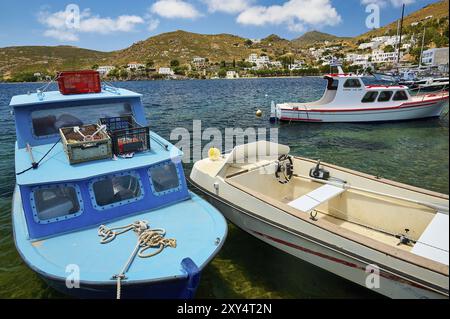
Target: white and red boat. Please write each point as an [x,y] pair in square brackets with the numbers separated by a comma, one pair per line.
[348,99]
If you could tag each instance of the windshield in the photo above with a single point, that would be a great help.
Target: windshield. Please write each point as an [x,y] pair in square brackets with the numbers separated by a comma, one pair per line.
[48,122]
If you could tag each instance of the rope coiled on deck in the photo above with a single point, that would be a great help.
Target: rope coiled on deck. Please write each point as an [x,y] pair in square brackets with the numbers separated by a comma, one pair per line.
[147,238]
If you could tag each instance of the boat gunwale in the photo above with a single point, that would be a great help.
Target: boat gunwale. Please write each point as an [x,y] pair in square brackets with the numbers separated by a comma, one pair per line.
[350,235]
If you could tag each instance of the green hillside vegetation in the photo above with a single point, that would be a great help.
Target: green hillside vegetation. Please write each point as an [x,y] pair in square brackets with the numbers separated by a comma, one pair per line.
[19,63]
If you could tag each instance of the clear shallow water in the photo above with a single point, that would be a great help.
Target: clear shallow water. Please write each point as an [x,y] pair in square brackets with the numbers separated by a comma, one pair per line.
[414,152]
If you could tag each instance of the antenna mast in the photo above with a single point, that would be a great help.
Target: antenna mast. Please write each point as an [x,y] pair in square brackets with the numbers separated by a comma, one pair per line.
[400,40]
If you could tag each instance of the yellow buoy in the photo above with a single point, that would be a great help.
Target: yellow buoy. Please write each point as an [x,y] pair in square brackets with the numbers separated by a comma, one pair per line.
[214,154]
[259,113]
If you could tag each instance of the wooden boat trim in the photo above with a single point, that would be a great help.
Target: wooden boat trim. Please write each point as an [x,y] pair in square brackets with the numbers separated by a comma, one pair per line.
[365,241]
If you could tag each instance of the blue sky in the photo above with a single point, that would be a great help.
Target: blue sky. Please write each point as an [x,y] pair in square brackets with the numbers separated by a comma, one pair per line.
[116,24]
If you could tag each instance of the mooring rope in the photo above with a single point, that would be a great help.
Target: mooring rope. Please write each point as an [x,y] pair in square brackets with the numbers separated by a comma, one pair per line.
[147,238]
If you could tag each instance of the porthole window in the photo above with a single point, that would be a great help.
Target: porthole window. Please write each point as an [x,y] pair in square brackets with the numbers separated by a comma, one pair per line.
[116,190]
[164,178]
[55,203]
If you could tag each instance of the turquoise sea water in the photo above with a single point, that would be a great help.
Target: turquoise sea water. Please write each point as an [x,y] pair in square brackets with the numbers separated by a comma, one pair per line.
[414,152]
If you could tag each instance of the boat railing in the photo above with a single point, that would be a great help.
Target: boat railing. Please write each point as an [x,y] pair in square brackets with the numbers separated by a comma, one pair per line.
[437,93]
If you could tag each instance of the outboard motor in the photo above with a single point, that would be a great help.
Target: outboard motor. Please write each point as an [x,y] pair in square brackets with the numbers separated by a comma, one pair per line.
[285,169]
[319,173]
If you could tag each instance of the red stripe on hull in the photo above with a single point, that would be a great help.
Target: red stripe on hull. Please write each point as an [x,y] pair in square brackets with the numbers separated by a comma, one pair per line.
[399,107]
[299,119]
[339,261]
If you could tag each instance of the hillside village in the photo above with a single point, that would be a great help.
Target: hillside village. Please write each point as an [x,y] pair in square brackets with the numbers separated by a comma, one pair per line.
[364,56]
[181,55]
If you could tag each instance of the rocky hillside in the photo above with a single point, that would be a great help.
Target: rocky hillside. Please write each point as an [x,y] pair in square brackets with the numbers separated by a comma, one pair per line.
[183,46]
[43,58]
[438,10]
[313,37]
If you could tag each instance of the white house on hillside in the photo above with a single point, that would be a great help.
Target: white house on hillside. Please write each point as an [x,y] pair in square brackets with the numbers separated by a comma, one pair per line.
[379,56]
[105,69]
[435,57]
[260,61]
[135,66]
[232,75]
[199,62]
[166,71]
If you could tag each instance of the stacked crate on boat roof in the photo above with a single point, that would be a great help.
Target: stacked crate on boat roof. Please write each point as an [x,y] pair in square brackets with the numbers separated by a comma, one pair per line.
[126,134]
[86,143]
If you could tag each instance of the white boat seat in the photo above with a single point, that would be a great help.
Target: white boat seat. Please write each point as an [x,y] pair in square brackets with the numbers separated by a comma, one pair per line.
[308,202]
[433,244]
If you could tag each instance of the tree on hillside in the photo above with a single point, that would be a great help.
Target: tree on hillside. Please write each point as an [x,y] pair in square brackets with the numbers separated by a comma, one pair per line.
[389,48]
[248,42]
[123,74]
[113,74]
[222,73]
[174,63]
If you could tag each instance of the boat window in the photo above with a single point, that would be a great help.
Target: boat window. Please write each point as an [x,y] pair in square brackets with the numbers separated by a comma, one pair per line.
[48,122]
[385,96]
[370,97]
[55,203]
[400,96]
[352,83]
[116,190]
[164,178]
[332,84]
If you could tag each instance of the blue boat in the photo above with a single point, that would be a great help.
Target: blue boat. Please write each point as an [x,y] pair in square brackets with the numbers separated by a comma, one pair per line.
[87,228]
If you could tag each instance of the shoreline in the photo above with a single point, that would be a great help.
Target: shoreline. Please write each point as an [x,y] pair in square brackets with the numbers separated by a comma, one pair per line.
[190,79]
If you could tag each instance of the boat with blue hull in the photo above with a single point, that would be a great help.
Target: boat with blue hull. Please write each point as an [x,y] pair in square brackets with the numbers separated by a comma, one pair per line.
[125,226]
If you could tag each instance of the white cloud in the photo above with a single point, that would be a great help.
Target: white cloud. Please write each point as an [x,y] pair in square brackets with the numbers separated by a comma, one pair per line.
[383,3]
[61,35]
[59,24]
[153,25]
[296,14]
[228,6]
[97,24]
[399,3]
[175,9]
[380,3]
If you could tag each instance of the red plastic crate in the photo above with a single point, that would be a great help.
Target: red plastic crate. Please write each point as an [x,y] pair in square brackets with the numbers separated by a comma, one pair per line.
[79,82]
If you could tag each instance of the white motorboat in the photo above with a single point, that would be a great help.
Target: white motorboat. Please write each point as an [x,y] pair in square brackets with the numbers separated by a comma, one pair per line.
[348,99]
[386,236]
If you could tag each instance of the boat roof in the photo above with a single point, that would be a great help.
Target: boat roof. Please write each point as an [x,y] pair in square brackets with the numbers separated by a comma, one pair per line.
[341,75]
[55,96]
[55,168]
[392,87]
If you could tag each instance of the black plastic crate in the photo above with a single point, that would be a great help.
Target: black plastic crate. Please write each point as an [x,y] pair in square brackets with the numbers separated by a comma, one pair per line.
[118,123]
[127,135]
